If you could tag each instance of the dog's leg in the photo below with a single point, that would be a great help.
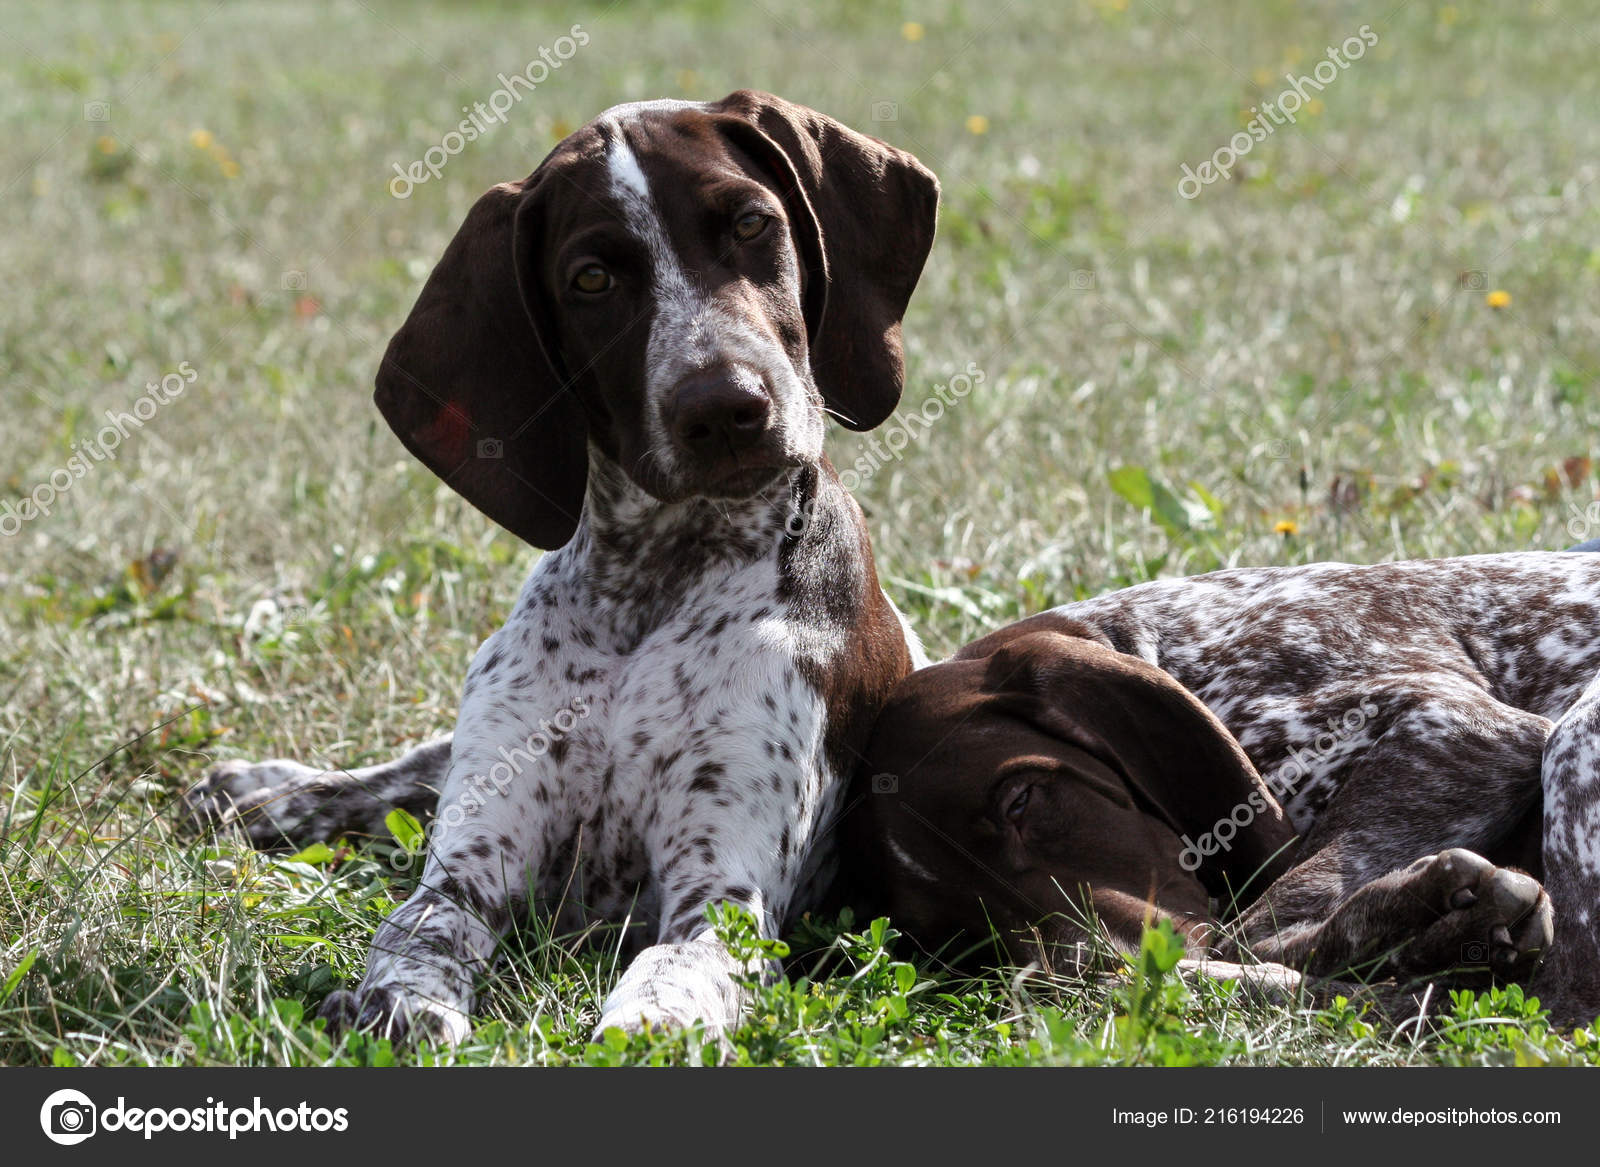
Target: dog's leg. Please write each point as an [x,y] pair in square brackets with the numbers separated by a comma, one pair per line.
[1569,982]
[1450,769]
[485,847]
[282,803]
[717,858]
[740,811]
[689,975]
[1450,912]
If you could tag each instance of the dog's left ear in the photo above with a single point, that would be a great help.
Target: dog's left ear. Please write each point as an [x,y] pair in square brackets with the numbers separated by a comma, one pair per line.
[1180,763]
[863,216]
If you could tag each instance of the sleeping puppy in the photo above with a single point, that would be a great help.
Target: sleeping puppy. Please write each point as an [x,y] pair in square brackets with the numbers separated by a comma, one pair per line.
[1332,769]
[1039,781]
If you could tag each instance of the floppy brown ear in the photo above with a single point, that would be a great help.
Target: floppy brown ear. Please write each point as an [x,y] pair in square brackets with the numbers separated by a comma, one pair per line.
[468,386]
[863,215]
[1178,759]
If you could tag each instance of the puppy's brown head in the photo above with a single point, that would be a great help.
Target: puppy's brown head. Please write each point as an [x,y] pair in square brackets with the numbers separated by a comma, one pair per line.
[684,286]
[1040,779]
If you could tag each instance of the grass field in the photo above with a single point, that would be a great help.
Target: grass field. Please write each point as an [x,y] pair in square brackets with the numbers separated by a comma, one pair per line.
[1305,361]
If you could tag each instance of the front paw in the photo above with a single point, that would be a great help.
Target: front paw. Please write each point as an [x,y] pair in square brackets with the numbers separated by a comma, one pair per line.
[393,1012]
[274,803]
[673,987]
[1489,919]
[650,1016]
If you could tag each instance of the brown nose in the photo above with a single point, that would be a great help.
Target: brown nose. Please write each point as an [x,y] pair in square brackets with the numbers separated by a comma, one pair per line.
[718,411]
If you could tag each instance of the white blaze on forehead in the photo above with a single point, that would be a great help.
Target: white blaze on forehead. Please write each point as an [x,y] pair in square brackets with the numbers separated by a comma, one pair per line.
[631,189]
[625,169]
[626,173]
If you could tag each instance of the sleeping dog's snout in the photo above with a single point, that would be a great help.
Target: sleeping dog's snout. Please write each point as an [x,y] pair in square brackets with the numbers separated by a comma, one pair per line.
[723,410]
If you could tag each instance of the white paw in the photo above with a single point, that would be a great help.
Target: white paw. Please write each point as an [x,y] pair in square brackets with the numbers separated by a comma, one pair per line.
[395,1012]
[638,1017]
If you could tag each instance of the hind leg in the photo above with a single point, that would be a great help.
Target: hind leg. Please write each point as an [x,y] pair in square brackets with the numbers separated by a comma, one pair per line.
[1388,880]
[280,803]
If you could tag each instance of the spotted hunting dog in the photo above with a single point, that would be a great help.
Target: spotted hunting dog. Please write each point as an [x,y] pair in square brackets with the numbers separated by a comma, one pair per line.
[626,359]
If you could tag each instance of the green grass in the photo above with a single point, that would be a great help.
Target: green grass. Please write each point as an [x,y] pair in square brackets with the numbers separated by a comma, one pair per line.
[261,571]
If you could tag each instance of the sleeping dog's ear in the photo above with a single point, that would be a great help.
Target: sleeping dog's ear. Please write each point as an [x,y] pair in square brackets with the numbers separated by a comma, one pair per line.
[863,215]
[470,384]
[1179,762]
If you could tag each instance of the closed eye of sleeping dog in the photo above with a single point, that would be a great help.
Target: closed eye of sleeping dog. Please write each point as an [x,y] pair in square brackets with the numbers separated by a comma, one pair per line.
[1366,771]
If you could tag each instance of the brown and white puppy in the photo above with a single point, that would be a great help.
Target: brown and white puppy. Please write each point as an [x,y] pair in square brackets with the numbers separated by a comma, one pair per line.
[1342,765]
[626,358]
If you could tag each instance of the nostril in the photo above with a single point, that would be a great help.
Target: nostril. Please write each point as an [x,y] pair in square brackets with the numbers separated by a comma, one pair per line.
[716,407]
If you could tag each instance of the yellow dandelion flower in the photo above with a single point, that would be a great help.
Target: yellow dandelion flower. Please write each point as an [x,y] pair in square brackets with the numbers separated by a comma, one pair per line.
[560,128]
[977,124]
[201,139]
[1263,77]
[1498,299]
[1286,527]
[229,168]
[912,31]
[1315,106]
[106,144]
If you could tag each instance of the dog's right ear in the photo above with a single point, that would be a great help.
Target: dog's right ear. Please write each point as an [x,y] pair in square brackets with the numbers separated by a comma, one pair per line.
[470,383]
[863,214]
[1179,762]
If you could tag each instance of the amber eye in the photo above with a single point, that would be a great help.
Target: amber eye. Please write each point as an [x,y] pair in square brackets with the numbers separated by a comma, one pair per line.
[592,279]
[750,225]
